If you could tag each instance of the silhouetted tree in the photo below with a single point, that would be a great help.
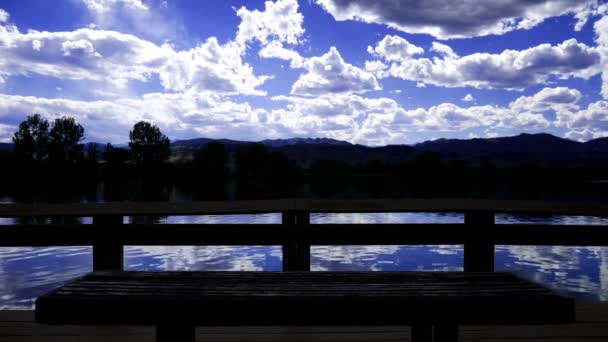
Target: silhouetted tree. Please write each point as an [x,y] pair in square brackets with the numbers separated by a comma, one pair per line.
[115,156]
[211,159]
[148,145]
[32,139]
[64,140]
[252,161]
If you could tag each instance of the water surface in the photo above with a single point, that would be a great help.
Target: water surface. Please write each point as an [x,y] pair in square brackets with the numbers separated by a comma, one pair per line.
[580,272]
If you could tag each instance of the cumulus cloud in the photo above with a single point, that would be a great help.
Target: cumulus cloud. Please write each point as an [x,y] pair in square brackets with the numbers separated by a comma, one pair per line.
[329,73]
[510,69]
[468,98]
[381,121]
[557,99]
[594,118]
[83,54]
[104,6]
[188,114]
[275,49]
[3,16]
[351,117]
[211,66]
[101,55]
[36,44]
[76,48]
[447,19]
[444,50]
[280,21]
[139,17]
[395,48]
[601,31]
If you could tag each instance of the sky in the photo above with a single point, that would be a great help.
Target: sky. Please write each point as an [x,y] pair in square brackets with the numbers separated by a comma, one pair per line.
[368,72]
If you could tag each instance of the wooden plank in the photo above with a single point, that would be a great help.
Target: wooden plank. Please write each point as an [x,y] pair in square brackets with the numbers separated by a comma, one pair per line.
[108,252]
[591,326]
[314,234]
[306,205]
[296,251]
[146,208]
[277,298]
[478,251]
[452,205]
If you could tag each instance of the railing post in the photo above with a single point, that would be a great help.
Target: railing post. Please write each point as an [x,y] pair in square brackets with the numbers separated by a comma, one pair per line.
[478,253]
[296,252]
[107,252]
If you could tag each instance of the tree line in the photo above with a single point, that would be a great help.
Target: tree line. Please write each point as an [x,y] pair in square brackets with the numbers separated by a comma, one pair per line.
[37,141]
[44,149]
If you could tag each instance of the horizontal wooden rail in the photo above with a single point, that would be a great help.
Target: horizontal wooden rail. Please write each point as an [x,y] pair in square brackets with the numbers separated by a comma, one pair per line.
[316,234]
[479,234]
[304,206]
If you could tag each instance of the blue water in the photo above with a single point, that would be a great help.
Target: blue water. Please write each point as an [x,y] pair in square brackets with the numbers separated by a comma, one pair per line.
[580,272]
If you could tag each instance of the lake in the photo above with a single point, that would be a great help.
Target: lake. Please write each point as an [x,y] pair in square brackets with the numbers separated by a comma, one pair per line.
[580,272]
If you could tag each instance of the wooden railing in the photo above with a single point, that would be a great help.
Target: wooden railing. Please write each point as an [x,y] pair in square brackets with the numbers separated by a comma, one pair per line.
[479,234]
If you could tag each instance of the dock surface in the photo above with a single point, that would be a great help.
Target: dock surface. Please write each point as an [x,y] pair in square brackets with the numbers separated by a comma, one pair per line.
[592,325]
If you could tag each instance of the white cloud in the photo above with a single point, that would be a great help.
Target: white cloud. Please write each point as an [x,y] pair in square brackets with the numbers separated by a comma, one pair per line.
[211,66]
[420,85]
[104,6]
[329,73]
[444,50]
[76,48]
[83,54]
[280,21]
[556,99]
[511,69]
[601,31]
[395,48]
[99,55]
[381,121]
[582,135]
[594,118]
[275,49]
[36,44]
[142,18]
[463,19]
[190,114]
[351,117]
[468,98]
[590,11]
[4,16]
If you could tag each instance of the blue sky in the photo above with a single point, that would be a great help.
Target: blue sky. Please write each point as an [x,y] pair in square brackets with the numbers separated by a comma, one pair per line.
[369,72]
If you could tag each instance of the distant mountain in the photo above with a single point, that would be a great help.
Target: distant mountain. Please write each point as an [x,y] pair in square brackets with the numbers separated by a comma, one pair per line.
[198,142]
[541,147]
[599,145]
[307,153]
[310,141]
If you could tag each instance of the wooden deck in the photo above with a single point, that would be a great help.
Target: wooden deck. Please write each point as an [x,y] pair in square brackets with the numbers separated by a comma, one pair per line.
[592,325]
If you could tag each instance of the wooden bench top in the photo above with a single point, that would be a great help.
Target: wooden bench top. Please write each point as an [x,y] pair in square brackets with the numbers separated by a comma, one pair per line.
[302,298]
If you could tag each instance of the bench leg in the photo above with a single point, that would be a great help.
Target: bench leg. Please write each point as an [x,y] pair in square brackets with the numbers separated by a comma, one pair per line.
[446,333]
[422,333]
[175,333]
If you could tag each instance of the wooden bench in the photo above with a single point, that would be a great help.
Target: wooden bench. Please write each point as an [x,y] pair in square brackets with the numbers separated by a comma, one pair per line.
[433,303]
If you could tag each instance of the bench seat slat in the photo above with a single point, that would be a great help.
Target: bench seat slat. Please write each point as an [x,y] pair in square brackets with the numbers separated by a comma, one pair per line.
[302,298]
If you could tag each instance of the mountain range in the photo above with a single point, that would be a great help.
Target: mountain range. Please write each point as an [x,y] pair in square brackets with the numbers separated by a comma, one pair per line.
[542,147]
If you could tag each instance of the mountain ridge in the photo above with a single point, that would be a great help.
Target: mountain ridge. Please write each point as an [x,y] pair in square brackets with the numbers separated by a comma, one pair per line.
[525,147]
